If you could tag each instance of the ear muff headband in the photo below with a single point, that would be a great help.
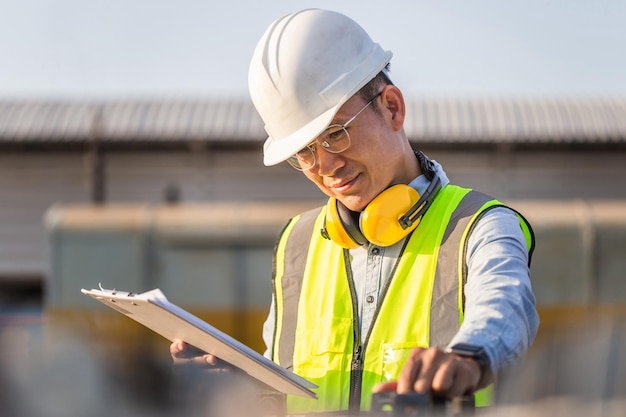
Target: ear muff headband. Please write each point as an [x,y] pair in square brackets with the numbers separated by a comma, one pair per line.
[415,213]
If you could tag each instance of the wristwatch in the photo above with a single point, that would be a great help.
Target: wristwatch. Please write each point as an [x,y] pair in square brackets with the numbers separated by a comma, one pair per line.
[471,351]
[478,354]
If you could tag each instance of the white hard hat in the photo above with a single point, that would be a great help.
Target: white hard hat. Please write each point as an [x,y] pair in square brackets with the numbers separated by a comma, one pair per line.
[306,65]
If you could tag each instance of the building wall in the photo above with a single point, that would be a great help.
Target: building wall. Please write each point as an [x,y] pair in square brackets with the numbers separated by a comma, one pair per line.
[31,182]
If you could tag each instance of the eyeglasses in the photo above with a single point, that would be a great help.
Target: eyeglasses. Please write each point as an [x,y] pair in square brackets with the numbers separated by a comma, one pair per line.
[335,139]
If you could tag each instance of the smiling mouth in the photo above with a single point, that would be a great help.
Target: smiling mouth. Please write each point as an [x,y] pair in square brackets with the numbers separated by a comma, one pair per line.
[343,185]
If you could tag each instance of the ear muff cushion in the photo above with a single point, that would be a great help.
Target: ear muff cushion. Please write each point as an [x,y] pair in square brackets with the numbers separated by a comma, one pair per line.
[380,219]
[341,227]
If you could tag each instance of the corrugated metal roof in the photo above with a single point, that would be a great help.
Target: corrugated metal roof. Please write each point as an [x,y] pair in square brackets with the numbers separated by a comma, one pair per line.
[125,121]
[501,120]
[453,120]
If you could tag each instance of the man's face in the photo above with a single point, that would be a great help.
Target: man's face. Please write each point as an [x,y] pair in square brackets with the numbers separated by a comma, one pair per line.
[375,159]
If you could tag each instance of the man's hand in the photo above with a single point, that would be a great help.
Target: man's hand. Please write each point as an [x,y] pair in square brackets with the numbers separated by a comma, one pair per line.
[436,372]
[185,354]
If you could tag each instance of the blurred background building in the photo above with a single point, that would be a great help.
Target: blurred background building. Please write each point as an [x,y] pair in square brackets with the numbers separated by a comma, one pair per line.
[564,158]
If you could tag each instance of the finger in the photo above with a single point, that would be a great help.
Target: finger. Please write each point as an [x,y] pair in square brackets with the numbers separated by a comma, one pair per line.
[210,359]
[177,348]
[457,385]
[390,386]
[467,377]
[183,353]
[444,378]
[429,365]
[185,350]
[410,371]
[203,360]
[455,378]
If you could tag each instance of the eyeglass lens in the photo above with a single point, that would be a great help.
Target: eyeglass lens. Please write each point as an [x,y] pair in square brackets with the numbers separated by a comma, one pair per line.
[335,139]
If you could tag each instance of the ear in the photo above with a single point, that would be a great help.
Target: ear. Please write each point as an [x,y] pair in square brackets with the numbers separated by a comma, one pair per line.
[393,101]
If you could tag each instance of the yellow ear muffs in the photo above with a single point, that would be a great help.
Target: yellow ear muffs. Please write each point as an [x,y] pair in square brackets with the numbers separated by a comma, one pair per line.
[389,217]
[341,225]
[381,222]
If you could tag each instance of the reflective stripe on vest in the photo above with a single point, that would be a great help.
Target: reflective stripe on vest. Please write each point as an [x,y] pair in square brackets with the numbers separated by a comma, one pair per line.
[315,335]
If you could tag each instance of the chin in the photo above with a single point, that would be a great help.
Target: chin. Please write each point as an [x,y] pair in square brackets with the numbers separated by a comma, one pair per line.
[354,204]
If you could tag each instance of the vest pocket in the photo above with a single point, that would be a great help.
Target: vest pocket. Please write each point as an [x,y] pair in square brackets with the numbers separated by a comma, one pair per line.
[394,356]
[324,348]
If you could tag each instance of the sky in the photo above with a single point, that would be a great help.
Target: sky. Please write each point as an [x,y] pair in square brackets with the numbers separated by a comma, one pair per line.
[197,49]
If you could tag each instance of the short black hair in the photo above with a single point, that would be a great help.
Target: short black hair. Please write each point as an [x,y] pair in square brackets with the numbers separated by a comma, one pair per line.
[374,86]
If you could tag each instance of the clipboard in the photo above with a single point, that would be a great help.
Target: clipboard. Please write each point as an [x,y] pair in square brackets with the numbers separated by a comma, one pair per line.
[156,312]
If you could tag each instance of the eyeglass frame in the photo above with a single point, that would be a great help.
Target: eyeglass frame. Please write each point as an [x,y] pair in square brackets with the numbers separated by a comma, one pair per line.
[294,160]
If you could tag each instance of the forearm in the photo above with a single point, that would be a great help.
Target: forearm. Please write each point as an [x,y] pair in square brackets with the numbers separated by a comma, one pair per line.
[500,312]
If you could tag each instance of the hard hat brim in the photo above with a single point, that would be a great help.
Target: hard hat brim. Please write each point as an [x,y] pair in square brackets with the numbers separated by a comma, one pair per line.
[276,151]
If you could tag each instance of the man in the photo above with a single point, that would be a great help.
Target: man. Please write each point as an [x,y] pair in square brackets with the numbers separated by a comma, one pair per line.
[402,282]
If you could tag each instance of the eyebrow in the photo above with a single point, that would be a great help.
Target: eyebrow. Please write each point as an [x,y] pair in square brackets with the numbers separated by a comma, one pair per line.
[341,121]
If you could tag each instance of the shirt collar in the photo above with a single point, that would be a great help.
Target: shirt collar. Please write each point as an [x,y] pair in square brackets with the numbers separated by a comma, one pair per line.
[421,183]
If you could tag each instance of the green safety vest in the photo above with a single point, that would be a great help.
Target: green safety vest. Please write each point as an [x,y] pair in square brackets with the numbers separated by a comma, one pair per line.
[317,333]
